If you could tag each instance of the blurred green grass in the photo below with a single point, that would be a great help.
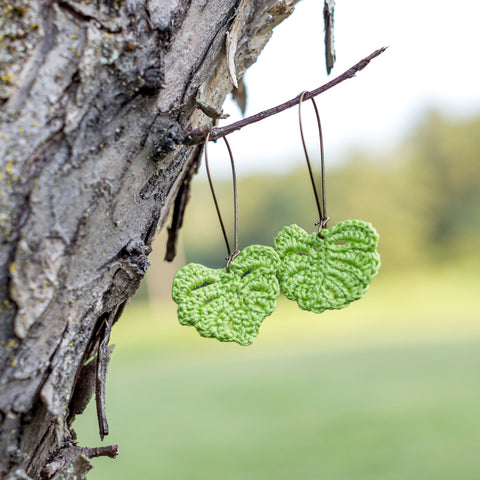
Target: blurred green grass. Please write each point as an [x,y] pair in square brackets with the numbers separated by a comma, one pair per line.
[387,388]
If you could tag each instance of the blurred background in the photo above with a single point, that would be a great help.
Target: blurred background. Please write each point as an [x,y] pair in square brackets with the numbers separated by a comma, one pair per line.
[387,388]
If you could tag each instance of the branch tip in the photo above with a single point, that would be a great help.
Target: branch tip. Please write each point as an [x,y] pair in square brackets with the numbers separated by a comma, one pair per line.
[104,451]
[198,135]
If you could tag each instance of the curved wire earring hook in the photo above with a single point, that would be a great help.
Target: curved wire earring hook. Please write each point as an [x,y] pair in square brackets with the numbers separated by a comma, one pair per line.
[322,210]
[231,254]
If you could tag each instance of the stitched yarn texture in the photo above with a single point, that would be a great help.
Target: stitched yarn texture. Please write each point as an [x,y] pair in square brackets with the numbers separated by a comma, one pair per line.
[328,272]
[229,306]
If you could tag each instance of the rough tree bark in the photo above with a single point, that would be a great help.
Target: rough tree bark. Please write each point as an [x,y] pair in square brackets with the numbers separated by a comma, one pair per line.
[96,98]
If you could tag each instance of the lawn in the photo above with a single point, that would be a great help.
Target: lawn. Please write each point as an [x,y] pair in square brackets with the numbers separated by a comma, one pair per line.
[387,389]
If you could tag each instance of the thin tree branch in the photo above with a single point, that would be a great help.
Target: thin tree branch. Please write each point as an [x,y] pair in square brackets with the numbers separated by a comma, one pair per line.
[198,135]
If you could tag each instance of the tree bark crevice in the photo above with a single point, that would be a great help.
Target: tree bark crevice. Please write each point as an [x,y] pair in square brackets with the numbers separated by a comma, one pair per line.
[96,99]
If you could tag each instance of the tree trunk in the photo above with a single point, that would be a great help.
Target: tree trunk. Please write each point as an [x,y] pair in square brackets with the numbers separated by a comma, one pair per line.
[96,99]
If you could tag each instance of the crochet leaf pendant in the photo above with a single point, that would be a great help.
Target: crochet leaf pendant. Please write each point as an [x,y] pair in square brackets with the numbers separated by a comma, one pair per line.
[328,272]
[229,306]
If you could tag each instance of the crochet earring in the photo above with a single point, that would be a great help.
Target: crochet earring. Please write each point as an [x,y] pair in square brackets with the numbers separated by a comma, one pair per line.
[229,304]
[332,267]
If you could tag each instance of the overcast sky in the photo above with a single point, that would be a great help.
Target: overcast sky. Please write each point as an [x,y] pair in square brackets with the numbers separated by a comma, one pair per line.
[432,61]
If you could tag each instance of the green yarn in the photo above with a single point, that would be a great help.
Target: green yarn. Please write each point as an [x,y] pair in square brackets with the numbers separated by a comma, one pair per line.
[319,273]
[328,272]
[229,306]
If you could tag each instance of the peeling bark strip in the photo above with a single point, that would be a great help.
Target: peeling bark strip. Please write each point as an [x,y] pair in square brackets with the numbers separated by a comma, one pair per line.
[181,201]
[328,20]
[103,358]
[95,99]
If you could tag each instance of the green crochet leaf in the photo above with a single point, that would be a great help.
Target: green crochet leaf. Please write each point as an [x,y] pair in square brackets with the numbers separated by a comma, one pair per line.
[229,306]
[328,272]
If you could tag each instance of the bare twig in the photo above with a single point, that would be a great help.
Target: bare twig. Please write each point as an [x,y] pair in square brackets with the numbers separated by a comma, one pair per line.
[74,460]
[104,451]
[198,135]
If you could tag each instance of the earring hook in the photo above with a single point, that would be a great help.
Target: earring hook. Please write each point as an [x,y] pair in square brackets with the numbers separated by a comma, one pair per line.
[231,254]
[322,210]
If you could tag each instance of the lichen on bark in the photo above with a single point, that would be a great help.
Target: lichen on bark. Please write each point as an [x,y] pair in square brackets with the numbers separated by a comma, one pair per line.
[96,99]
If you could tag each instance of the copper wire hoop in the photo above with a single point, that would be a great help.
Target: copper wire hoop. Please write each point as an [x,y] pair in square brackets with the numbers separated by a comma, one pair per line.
[231,254]
[322,209]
